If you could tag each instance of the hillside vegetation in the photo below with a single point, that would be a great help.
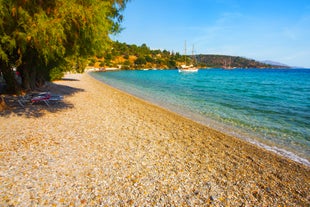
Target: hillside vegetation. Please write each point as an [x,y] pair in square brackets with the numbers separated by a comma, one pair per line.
[125,56]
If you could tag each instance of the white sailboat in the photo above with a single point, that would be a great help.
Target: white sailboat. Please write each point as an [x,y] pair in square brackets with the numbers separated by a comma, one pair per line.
[188,68]
[225,67]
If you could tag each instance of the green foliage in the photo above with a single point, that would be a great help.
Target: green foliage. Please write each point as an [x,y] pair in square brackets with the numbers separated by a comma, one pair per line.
[171,64]
[37,34]
[220,61]
[108,57]
[56,73]
[147,58]
[144,57]
[92,62]
[101,64]
[140,61]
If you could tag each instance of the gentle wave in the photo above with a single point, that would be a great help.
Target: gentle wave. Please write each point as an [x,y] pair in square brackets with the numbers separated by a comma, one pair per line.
[270,108]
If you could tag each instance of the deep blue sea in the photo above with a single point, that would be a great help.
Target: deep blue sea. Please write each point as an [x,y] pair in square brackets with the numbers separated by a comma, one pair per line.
[270,108]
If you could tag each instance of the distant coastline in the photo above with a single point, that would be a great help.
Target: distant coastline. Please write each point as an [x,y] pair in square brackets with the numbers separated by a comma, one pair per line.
[130,57]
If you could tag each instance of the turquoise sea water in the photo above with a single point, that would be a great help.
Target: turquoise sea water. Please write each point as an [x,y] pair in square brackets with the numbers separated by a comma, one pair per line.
[270,108]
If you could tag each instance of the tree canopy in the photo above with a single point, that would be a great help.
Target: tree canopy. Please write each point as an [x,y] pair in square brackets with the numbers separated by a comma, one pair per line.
[132,57]
[43,38]
[127,56]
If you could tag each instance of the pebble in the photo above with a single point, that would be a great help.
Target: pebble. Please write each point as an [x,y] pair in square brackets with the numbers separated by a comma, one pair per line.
[103,148]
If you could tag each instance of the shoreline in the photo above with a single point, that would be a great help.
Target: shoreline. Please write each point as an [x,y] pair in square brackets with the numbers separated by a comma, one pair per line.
[223,128]
[111,148]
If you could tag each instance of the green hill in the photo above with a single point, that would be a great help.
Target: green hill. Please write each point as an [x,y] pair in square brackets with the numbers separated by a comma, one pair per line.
[125,56]
[224,61]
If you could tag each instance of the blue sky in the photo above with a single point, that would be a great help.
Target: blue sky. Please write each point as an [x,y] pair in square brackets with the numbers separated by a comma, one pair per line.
[277,30]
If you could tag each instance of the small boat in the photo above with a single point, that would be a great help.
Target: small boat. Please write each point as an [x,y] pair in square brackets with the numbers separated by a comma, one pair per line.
[225,67]
[188,68]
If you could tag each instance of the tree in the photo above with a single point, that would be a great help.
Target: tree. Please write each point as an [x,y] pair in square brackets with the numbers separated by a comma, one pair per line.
[43,36]
[149,59]
[140,61]
[171,64]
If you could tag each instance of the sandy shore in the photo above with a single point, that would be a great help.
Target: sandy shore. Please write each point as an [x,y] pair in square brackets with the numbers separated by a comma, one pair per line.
[102,147]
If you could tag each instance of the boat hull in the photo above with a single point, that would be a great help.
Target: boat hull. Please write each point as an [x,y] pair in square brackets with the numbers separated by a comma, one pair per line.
[188,69]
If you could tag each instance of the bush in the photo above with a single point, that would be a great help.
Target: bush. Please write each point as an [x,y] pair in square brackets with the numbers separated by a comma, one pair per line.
[92,62]
[56,73]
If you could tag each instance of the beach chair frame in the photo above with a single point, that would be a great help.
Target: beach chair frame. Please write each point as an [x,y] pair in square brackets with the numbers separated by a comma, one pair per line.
[44,97]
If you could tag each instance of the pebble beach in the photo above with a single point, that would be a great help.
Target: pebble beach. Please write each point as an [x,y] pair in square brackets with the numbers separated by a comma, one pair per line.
[103,147]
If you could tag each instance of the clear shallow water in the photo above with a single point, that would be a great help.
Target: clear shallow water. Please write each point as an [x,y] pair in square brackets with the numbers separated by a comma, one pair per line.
[270,108]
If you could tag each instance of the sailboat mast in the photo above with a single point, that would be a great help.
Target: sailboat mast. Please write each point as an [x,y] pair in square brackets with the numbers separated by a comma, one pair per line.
[193,51]
[187,68]
[185,52]
[193,57]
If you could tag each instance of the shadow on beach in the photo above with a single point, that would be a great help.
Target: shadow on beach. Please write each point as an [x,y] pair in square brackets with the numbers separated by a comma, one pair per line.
[40,109]
[69,79]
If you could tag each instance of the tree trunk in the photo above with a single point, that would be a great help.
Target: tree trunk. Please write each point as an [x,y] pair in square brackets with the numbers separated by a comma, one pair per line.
[25,77]
[11,83]
[31,71]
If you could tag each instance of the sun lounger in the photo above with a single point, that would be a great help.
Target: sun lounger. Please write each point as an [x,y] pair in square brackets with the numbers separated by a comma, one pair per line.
[44,97]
